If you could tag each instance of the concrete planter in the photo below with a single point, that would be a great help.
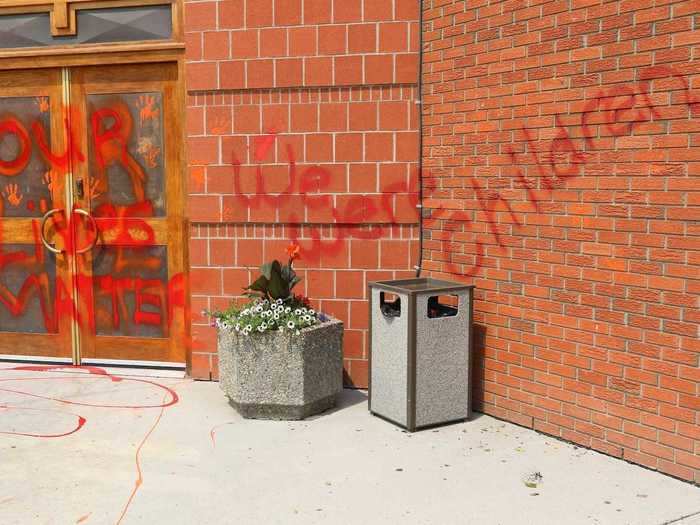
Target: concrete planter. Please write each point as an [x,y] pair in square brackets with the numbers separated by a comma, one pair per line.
[280,375]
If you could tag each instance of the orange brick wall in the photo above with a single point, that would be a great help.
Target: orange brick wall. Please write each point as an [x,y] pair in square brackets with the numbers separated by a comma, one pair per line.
[302,125]
[562,155]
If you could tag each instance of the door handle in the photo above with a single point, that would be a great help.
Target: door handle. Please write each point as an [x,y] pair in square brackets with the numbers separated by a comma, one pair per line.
[93,243]
[44,241]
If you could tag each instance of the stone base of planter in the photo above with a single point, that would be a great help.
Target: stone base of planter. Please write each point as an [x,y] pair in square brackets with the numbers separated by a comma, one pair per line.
[285,412]
[279,375]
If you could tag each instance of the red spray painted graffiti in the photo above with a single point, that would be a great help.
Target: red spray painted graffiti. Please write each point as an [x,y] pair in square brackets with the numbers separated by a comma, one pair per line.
[12,126]
[309,185]
[164,298]
[619,110]
[133,290]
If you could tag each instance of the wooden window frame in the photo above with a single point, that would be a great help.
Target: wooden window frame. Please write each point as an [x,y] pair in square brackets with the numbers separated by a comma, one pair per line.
[63,16]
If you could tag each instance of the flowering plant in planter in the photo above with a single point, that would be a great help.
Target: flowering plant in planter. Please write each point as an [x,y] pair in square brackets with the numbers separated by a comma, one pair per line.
[263,315]
[278,358]
[273,305]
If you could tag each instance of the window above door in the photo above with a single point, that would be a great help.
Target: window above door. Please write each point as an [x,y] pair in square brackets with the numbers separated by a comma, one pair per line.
[42,23]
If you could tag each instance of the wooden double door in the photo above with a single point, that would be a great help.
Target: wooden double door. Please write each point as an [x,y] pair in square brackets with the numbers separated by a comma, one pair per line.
[92,227]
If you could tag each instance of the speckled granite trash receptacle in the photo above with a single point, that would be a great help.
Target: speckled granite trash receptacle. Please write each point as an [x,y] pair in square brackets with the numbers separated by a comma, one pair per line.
[280,375]
[420,352]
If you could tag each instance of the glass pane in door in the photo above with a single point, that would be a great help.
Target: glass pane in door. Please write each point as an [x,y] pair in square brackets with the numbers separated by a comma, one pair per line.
[27,289]
[25,179]
[130,290]
[126,154]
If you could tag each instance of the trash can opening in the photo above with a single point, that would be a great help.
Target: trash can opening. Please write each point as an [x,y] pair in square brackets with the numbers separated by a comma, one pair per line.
[443,306]
[390,304]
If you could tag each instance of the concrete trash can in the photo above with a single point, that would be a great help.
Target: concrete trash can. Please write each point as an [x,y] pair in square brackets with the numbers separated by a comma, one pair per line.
[420,348]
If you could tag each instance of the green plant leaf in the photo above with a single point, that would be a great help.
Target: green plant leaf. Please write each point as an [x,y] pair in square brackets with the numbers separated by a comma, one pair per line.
[287,272]
[266,270]
[294,282]
[261,284]
[278,287]
[276,267]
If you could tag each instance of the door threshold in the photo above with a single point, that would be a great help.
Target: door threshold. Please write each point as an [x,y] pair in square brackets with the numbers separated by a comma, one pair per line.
[123,367]
[111,366]
[125,363]
[35,359]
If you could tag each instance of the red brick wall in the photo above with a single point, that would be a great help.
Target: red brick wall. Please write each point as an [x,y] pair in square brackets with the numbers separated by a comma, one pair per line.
[562,160]
[302,125]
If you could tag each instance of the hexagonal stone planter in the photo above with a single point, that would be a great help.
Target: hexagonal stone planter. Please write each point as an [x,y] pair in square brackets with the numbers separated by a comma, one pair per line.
[280,375]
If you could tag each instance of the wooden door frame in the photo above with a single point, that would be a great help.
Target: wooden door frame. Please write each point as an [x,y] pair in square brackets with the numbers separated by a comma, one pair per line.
[160,51]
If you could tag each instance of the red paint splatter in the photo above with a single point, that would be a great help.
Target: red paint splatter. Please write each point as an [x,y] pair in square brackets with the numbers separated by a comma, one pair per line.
[139,478]
[12,126]
[92,373]
[212,432]
[79,425]
[170,397]
[263,144]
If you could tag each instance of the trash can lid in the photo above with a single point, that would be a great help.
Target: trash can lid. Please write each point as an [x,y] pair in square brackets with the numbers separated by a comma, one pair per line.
[419,285]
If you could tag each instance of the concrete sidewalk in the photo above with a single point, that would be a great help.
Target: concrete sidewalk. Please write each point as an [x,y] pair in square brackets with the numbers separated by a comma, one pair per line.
[121,455]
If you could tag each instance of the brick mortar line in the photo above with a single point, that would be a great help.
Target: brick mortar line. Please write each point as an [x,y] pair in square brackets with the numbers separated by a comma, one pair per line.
[274,89]
[276,223]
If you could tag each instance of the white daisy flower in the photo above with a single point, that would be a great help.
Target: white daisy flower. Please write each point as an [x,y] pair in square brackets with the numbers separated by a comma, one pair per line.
[275,316]
[249,327]
[290,325]
[261,329]
[297,312]
[312,311]
[279,301]
[287,310]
